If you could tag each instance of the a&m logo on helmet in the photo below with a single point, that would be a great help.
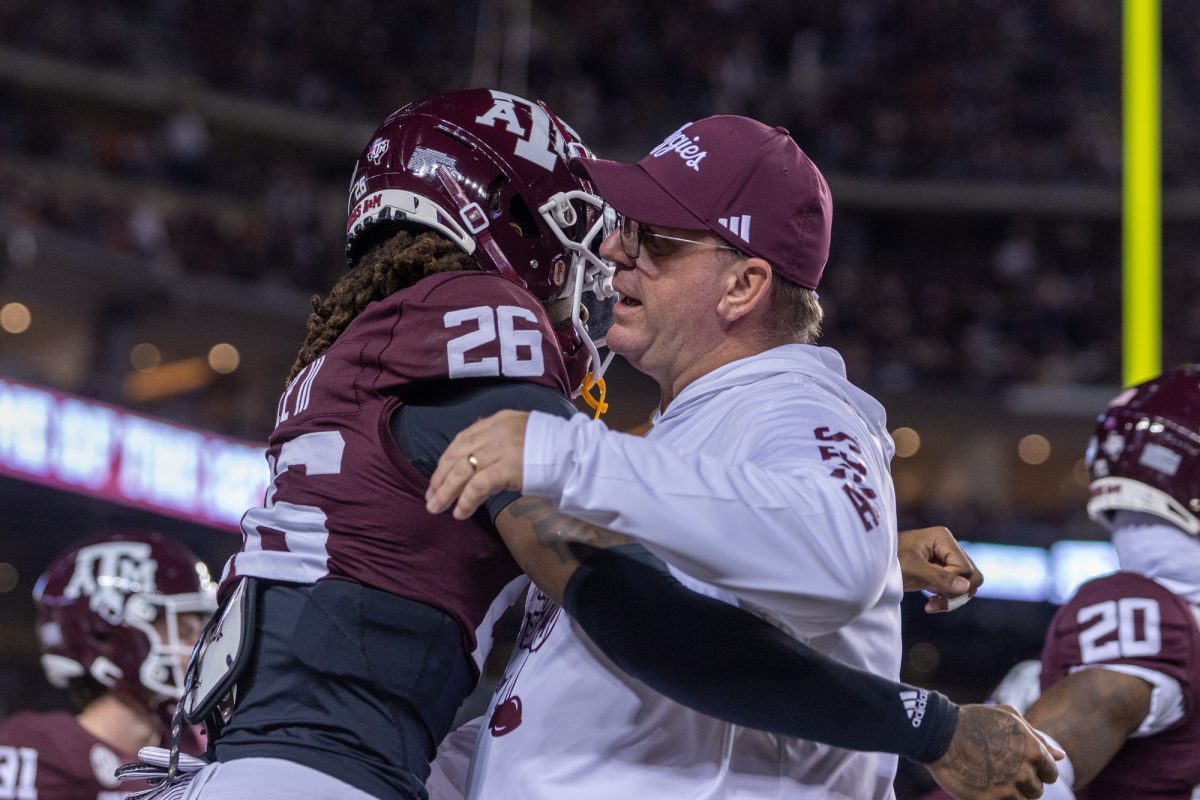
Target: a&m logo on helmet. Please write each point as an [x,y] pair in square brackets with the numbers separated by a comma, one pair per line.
[1113,445]
[543,143]
[108,572]
[377,150]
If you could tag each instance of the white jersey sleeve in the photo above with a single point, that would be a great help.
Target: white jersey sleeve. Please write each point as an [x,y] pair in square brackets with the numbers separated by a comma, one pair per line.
[1167,702]
[800,523]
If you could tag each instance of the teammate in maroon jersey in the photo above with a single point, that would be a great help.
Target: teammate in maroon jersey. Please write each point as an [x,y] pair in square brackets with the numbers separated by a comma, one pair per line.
[118,615]
[1120,668]
[373,618]
[1121,663]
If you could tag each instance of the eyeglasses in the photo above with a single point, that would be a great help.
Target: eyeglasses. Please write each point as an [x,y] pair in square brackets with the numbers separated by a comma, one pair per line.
[632,234]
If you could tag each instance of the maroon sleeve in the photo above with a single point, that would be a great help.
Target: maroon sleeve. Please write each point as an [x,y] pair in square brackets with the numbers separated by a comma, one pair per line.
[1123,618]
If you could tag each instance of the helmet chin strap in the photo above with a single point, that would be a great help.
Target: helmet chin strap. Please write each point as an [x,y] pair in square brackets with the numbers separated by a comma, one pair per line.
[595,402]
[483,238]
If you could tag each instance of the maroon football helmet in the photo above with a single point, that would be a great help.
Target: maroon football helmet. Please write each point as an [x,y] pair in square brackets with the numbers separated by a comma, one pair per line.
[1145,454]
[97,608]
[488,170]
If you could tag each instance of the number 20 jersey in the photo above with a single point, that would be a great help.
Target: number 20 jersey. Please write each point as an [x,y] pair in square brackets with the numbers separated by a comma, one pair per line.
[345,502]
[1127,619]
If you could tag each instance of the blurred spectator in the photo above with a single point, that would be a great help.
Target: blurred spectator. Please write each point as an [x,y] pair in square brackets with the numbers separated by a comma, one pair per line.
[1022,91]
[186,158]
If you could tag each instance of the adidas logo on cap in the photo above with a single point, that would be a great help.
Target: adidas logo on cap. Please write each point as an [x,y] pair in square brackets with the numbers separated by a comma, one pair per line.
[738,226]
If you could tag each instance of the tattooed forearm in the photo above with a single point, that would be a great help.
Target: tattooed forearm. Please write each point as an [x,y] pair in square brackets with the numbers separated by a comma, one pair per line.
[993,754]
[548,545]
[987,750]
[568,538]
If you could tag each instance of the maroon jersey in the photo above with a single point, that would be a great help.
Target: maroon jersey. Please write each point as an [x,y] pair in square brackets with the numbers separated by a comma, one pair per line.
[48,756]
[345,502]
[1127,618]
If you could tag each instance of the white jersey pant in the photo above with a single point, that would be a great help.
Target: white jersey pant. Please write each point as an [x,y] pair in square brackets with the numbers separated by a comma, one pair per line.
[268,779]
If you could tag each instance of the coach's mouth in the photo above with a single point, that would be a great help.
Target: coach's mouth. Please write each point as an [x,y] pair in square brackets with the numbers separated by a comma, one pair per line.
[626,305]
[625,298]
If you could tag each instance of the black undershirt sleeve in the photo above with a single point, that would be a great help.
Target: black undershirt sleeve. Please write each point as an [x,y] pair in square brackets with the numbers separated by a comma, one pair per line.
[703,653]
[725,662]
[425,428]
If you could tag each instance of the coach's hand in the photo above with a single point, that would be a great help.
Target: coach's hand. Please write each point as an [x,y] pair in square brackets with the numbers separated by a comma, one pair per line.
[486,458]
[995,755]
[931,560]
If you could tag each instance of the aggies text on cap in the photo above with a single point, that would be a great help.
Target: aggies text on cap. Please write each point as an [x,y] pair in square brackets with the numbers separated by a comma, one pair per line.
[745,181]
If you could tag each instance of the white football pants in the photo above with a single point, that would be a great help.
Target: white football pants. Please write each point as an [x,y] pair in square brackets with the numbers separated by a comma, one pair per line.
[268,779]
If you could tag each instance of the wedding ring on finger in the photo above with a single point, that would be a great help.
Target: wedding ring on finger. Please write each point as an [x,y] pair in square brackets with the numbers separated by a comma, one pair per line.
[473,461]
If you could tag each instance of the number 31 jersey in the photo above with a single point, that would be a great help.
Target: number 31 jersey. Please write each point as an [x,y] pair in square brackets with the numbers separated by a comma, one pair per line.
[1128,622]
[345,502]
[49,756]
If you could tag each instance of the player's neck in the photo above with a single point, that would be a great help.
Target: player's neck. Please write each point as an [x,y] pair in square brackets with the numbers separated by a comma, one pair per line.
[119,725]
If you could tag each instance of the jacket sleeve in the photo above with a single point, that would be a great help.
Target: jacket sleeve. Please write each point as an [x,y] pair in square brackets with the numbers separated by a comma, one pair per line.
[804,527]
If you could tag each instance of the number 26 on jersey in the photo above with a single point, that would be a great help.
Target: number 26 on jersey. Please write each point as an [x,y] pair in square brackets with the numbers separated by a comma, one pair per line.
[520,349]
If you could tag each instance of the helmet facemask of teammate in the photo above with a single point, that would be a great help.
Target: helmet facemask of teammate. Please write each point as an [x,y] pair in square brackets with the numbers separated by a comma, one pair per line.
[488,170]
[1145,453]
[123,610]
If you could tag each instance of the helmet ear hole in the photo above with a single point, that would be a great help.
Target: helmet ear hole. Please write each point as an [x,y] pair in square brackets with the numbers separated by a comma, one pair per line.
[493,191]
[521,218]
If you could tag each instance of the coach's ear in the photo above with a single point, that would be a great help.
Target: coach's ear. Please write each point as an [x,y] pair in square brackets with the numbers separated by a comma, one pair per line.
[747,287]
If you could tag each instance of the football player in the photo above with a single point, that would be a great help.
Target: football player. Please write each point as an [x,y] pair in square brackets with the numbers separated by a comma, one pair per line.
[374,618]
[1118,684]
[1120,671]
[117,617]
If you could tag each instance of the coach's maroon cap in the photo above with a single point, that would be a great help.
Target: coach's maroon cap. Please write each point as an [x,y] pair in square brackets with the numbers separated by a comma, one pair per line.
[745,181]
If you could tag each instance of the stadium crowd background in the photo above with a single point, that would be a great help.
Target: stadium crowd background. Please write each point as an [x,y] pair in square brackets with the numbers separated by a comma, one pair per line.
[175,167]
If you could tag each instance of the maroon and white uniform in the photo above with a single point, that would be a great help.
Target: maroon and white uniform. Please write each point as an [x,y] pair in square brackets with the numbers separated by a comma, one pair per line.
[345,503]
[1130,623]
[49,756]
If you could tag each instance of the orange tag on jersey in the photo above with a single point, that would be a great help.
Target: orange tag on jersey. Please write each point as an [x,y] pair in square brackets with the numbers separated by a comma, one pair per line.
[596,402]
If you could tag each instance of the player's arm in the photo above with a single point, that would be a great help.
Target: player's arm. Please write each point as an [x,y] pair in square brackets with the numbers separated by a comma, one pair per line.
[722,661]
[544,542]
[1091,713]
[712,656]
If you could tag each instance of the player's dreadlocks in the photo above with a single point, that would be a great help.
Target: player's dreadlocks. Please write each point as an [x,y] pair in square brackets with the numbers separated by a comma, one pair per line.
[389,266]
